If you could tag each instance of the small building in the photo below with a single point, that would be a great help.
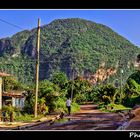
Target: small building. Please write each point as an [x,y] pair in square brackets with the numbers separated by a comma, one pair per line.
[15,98]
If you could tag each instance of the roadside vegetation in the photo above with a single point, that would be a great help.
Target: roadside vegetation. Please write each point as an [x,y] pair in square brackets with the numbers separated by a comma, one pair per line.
[54,92]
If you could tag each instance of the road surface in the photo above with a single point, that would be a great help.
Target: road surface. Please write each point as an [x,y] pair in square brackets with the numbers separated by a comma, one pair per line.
[89,118]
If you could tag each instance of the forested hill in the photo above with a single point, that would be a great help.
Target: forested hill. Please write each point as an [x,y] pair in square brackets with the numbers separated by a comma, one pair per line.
[75,46]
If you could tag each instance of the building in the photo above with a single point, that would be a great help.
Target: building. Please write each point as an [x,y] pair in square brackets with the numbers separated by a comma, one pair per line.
[15,98]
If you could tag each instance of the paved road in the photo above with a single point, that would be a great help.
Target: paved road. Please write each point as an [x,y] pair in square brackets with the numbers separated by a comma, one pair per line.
[89,118]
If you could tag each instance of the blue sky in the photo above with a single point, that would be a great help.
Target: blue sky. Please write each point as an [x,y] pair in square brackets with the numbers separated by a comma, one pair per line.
[124,22]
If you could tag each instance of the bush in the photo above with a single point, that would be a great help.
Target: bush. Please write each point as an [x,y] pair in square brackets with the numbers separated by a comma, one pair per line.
[114,108]
[60,106]
[74,107]
[29,103]
[59,78]
[8,108]
[131,102]
[79,98]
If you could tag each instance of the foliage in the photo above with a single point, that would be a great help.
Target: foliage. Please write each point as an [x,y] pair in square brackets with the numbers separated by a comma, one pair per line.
[49,100]
[132,87]
[60,105]
[80,89]
[95,95]
[119,107]
[29,102]
[80,98]
[69,48]
[132,90]
[114,108]
[8,109]
[59,78]
[74,107]
[11,83]
[42,108]
[108,94]
[25,118]
[74,46]
[50,93]
[132,101]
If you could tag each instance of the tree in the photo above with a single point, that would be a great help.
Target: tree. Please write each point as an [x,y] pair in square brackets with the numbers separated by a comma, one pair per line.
[132,89]
[11,83]
[42,108]
[59,78]
[50,92]
[132,86]
[108,93]
[29,102]
[81,89]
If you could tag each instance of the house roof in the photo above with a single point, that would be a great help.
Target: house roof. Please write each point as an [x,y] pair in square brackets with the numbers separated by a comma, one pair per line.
[2,74]
[15,94]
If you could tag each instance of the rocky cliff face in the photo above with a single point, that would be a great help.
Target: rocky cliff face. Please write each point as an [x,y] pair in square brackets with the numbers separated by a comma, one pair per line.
[6,47]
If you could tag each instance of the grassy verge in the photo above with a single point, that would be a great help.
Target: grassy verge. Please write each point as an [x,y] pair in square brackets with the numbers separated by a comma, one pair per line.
[26,118]
[114,108]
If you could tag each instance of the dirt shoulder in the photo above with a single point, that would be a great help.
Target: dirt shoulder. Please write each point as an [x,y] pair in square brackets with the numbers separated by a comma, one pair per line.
[20,125]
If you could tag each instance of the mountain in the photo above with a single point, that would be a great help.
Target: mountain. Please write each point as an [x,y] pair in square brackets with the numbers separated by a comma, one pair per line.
[75,46]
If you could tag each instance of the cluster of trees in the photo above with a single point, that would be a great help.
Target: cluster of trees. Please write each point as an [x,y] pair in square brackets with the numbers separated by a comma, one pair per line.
[54,92]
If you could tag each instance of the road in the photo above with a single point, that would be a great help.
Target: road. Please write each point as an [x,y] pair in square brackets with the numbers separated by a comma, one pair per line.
[89,118]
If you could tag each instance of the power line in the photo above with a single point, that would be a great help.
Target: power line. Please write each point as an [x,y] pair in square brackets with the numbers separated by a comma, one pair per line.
[14,25]
[46,61]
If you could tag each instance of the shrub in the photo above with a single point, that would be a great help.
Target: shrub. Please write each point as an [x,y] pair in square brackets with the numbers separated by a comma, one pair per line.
[79,98]
[60,105]
[131,102]
[8,109]
[74,107]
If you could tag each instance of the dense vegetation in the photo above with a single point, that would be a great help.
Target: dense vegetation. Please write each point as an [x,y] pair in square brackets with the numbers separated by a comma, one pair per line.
[71,49]
[74,46]
[53,94]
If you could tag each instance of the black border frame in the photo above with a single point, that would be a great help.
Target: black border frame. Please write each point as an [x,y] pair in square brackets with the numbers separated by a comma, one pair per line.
[69,4]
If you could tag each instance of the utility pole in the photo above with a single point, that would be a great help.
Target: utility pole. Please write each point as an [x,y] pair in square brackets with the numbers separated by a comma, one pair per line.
[0,95]
[121,82]
[37,68]
[72,85]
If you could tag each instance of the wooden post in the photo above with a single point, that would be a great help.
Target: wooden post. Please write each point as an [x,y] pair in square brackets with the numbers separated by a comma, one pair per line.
[0,93]
[37,68]
[72,84]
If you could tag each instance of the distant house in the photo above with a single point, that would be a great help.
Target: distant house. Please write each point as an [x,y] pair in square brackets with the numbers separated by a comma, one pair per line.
[15,98]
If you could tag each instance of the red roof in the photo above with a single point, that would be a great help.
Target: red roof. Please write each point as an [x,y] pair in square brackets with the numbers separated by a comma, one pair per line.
[2,74]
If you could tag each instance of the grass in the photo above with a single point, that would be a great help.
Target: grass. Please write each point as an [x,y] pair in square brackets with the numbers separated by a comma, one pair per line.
[61,120]
[75,108]
[114,108]
[26,118]
[119,108]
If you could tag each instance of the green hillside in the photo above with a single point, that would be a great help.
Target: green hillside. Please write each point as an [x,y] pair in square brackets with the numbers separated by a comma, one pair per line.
[75,46]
